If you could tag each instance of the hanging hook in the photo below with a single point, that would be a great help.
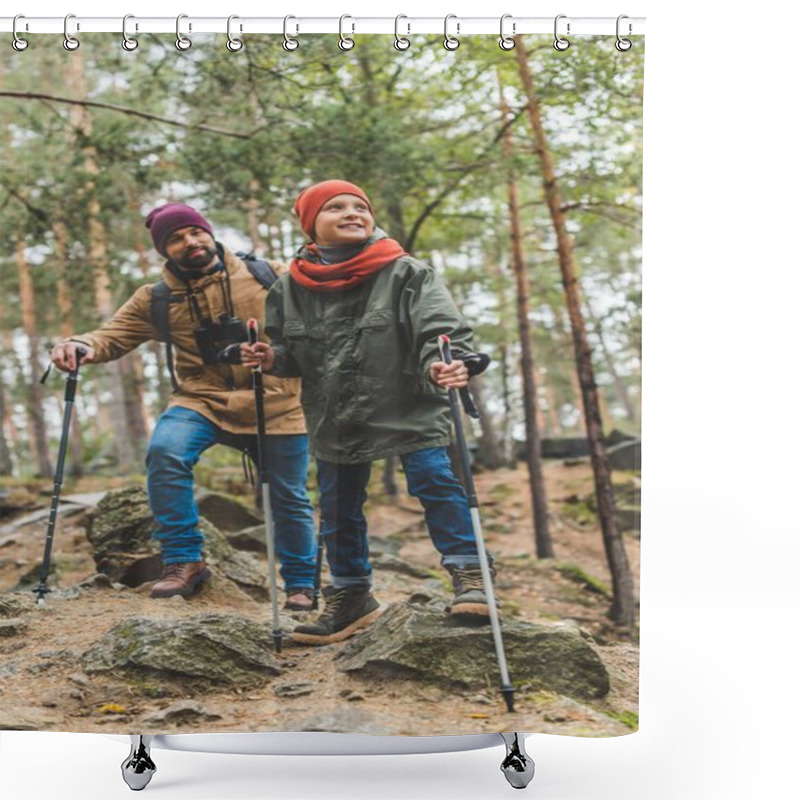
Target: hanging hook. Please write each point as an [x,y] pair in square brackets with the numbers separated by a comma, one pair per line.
[70,42]
[346,42]
[560,43]
[128,42]
[623,45]
[289,43]
[182,42]
[451,42]
[507,42]
[233,44]
[18,43]
[400,42]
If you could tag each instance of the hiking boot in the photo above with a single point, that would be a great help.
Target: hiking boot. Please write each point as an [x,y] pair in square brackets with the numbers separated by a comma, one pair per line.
[470,595]
[346,610]
[299,599]
[182,578]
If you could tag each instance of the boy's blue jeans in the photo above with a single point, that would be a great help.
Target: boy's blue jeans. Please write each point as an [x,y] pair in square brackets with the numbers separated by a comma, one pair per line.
[430,478]
[179,438]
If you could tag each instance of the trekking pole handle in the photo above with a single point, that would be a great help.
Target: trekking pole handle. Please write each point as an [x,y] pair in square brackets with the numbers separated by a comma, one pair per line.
[72,378]
[444,349]
[252,330]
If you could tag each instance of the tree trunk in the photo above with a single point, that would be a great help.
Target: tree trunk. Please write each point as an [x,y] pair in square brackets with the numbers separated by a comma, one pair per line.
[623,608]
[98,260]
[35,399]
[6,462]
[533,447]
[489,446]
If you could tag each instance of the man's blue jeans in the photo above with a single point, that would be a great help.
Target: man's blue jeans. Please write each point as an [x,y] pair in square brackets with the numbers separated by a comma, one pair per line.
[430,478]
[179,438]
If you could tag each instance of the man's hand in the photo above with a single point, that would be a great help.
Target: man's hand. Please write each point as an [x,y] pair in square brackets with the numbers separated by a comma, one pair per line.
[258,353]
[449,376]
[64,355]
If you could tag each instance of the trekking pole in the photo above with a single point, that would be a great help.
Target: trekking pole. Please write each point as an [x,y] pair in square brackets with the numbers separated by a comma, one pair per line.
[318,568]
[506,688]
[258,387]
[69,401]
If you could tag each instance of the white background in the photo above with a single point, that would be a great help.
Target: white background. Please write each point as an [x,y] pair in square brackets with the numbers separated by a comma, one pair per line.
[719,709]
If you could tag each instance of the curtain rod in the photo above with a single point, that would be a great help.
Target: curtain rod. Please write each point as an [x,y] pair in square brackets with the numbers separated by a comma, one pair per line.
[348,25]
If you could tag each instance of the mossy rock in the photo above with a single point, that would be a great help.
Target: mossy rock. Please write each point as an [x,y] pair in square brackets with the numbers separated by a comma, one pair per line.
[218,648]
[421,642]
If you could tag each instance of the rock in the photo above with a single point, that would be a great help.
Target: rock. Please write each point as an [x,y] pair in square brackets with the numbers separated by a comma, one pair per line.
[421,642]
[253,539]
[225,512]
[11,606]
[626,455]
[391,563]
[295,689]
[17,499]
[183,712]
[120,531]
[344,720]
[96,581]
[12,627]
[220,648]
[379,545]
[26,719]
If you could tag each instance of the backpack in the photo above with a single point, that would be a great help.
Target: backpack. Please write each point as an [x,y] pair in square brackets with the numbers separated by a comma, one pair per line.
[161,297]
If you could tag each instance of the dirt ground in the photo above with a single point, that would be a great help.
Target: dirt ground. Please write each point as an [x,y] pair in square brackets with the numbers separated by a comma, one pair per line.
[44,688]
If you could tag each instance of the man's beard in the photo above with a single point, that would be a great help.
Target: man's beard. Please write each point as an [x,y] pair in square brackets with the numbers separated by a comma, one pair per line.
[199,260]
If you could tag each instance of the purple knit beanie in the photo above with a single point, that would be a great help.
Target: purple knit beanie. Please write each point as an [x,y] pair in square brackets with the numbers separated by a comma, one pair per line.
[162,221]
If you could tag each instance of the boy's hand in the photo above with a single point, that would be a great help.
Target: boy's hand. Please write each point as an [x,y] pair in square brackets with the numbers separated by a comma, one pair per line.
[64,355]
[449,376]
[257,354]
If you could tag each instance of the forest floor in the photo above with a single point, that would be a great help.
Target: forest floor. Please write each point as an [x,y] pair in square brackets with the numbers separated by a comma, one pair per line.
[44,688]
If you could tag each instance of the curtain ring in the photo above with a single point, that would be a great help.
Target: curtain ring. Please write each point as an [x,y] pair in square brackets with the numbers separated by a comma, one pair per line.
[128,42]
[400,42]
[233,44]
[346,42]
[623,45]
[70,42]
[182,42]
[450,42]
[18,43]
[289,43]
[560,43]
[507,42]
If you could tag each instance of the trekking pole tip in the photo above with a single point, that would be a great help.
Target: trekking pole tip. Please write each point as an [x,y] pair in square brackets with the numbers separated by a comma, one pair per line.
[508,696]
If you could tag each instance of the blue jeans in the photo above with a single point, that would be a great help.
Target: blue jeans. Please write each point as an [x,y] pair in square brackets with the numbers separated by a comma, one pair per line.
[430,478]
[179,438]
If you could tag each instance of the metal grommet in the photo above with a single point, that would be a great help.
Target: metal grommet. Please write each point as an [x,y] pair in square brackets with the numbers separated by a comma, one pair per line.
[346,42]
[400,42]
[233,44]
[450,42]
[18,43]
[289,43]
[128,42]
[560,43]
[182,42]
[623,45]
[70,42]
[507,42]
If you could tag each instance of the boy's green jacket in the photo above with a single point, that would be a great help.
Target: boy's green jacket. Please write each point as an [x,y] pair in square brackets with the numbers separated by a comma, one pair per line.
[363,355]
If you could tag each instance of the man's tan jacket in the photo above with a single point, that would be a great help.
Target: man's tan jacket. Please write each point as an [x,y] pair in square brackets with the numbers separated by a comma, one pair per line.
[221,393]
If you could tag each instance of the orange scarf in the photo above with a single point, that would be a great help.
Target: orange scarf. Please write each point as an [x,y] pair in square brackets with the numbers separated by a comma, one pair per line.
[347,274]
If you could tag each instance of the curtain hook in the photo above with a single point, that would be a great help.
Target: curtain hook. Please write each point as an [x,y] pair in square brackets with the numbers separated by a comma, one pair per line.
[289,43]
[18,43]
[346,42]
[400,42]
[233,44]
[128,42]
[560,43]
[182,42]
[507,42]
[70,42]
[623,45]
[451,42]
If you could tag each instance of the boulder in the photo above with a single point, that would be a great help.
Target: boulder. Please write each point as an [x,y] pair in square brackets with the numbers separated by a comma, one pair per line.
[120,530]
[225,512]
[626,455]
[182,712]
[218,648]
[345,719]
[422,642]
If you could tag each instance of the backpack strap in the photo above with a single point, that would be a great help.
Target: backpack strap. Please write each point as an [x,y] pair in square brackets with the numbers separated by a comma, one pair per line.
[262,271]
[159,313]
